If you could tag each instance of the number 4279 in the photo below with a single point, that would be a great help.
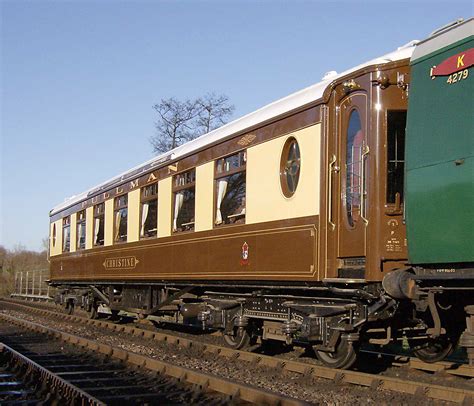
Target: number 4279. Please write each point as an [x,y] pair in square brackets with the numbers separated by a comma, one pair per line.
[458,76]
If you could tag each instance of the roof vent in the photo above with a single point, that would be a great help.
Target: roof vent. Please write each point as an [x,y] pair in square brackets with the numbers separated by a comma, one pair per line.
[447,27]
[409,44]
[329,75]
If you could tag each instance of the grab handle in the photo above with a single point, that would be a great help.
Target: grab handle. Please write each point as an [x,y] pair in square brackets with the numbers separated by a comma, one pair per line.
[332,168]
[363,208]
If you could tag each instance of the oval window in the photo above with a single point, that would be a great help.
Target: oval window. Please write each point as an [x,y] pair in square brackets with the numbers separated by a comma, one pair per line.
[54,234]
[290,166]
[355,138]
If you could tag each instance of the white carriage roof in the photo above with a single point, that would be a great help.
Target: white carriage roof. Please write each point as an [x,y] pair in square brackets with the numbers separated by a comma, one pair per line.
[275,109]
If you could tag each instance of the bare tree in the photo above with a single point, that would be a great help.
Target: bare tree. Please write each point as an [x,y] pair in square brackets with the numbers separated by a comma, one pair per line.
[18,259]
[214,110]
[174,123]
[181,121]
[3,257]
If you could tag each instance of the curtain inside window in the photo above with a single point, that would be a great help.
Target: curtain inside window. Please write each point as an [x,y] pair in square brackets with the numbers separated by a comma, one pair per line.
[96,230]
[178,204]
[221,190]
[118,219]
[66,239]
[79,234]
[145,208]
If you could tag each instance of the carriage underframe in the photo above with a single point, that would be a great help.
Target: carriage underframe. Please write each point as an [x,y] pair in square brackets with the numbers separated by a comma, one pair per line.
[335,320]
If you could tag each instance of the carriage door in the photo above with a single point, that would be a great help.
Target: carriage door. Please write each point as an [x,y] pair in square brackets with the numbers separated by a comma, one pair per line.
[352,157]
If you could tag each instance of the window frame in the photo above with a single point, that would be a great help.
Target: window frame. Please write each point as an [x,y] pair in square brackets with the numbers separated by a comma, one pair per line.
[227,174]
[66,224]
[98,214]
[283,167]
[80,221]
[190,184]
[393,203]
[118,207]
[54,235]
[353,217]
[146,199]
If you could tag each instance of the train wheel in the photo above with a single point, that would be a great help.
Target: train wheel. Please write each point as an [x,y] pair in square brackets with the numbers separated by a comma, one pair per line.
[70,307]
[434,350]
[240,338]
[344,357]
[92,311]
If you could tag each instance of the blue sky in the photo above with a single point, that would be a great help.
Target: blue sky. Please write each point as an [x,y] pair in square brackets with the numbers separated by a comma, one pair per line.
[79,78]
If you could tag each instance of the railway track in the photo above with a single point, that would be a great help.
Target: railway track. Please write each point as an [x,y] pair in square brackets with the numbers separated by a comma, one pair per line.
[397,385]
[22,380]
[83,372]
[455,368]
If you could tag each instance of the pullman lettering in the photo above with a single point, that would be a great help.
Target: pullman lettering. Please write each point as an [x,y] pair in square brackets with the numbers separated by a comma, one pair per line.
[120,263]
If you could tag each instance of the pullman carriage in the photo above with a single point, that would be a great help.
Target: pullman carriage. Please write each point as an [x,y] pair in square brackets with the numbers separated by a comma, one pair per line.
[286,224]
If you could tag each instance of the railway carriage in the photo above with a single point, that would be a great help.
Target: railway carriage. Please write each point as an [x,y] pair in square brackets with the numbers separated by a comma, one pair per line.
[291,223]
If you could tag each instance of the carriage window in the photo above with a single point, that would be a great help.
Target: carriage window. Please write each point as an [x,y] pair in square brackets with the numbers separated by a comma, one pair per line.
[99,222]
[355,139]
[290,165]
[149,211]
[120,218]
[81,230]
[396,123]
[54,234]
[230,189]
[66,234]
[184,201]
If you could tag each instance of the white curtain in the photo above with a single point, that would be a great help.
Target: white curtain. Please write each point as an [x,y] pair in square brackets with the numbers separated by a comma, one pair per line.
[118,219]
[221,190]
[79,235]
[96,230]
[178,204]
[145,207]
[66,240]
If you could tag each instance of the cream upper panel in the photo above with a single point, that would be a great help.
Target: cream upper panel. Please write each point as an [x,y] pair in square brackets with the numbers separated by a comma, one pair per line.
[204,196]
[56,241]
[89,227]
[133,221]
[264,197]
[109,222]
[164,207]
[73,232]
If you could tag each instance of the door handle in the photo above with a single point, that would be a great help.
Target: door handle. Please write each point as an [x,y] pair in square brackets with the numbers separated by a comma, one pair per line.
[332,168]
[363,192]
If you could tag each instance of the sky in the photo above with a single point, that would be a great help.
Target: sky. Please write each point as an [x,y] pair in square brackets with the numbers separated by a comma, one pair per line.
[79,78]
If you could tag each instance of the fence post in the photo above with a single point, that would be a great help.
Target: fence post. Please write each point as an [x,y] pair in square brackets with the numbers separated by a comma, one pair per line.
[41,283]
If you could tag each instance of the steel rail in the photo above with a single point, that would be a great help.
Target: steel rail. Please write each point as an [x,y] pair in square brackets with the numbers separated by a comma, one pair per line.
[57,386]
[203,381]
[437,392]
[452,368]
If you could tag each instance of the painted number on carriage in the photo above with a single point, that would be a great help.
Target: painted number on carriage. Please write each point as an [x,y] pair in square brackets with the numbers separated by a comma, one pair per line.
[458,76]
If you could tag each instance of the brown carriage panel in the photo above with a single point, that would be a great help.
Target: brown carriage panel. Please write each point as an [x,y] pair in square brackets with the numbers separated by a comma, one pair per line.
[287,252]
[156,260]
[225,255]
[279,250]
